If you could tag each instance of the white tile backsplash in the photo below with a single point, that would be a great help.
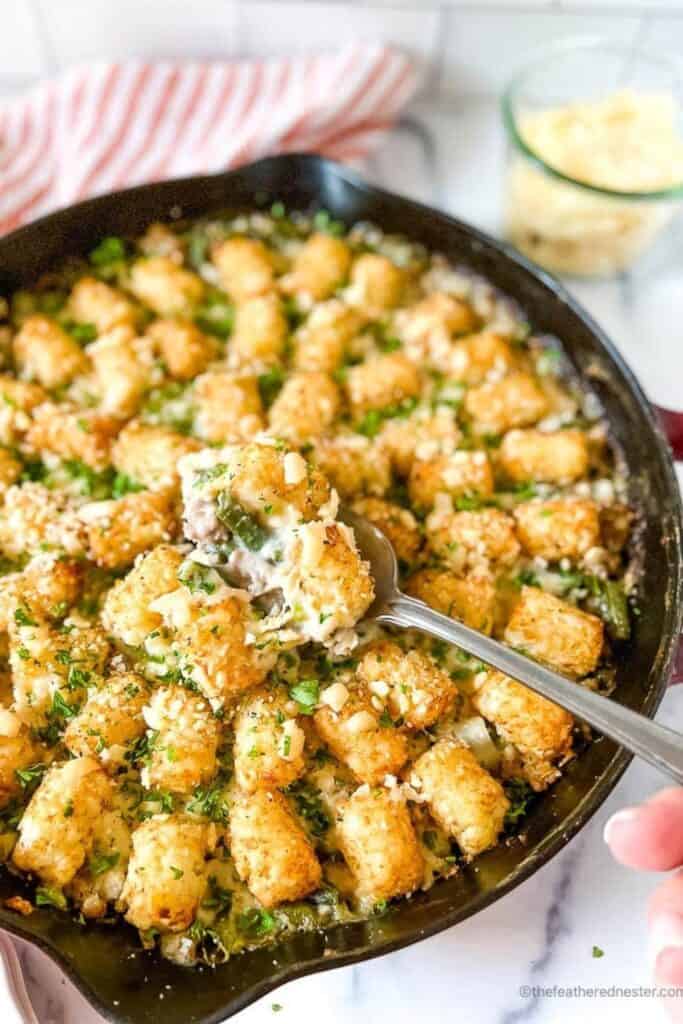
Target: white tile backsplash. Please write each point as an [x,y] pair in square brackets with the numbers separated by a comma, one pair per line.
[483,49]
[279,28]
[21,52]
[471,46]
[666,34]
[81,30]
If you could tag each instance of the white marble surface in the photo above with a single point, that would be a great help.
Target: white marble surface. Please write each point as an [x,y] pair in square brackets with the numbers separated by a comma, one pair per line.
[543,933]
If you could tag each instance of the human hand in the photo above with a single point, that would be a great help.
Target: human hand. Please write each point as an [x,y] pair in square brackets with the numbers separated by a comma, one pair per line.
[650,837]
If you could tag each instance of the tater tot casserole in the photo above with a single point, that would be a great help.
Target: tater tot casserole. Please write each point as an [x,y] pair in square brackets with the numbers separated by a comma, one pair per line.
[198,730]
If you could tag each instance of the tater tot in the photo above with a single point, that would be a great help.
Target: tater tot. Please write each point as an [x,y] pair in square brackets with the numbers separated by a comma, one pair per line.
[381,381]
[472,540]
[183,752]
[165,287]
[269,742]
[426,433]
[539,730]
[397,523]
[305,407]
[427,329]
[327,580]
[375,284]
[185,349]
[73,433]
[149,455]
[321,342]
[378,843]
[357,734]
[44,352]
[475,357]
[555,632]
[34,519]
[10,470]
[460,473]
[558,457]
[563,528]
[110,719]
[228,407]
[48,585]
[409,683]
[17,750]
[271,851]
[470,598]
[126,612]
[17,399]
[44,658]
[319,268]
[467,802]
[52,844]
[353,464]
[245,267]
[120,530]
[260,331]
[514,401]
[166,873]
[100,881]
[94,302]
[124,370]
[210,642]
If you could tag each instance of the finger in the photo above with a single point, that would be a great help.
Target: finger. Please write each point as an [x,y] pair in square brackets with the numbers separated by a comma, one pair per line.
[649,837]
[665,945]
[666,899]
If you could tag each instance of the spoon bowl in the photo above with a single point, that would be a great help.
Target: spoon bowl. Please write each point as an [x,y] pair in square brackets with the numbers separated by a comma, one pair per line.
[656,744]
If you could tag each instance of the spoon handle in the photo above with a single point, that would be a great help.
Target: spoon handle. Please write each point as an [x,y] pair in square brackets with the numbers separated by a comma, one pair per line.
[661,747]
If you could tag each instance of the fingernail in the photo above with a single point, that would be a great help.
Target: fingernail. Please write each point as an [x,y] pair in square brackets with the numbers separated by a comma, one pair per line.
[666,930]
[628,814]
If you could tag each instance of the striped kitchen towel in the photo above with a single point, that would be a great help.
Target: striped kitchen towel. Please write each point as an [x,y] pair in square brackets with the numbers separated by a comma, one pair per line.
[105,126]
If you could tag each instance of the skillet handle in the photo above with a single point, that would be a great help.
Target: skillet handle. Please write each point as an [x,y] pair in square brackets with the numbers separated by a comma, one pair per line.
[672,425]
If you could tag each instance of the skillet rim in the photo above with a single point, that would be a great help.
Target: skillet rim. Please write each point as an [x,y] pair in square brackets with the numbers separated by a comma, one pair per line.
[605,783]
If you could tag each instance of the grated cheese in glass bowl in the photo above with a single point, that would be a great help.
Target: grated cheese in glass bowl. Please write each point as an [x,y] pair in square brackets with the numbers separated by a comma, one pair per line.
[595,170]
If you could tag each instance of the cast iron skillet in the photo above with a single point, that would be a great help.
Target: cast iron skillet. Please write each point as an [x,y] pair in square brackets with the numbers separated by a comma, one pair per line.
[105,962]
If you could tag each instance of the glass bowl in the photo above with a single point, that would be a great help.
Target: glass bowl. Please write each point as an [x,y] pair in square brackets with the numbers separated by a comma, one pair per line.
[595,156]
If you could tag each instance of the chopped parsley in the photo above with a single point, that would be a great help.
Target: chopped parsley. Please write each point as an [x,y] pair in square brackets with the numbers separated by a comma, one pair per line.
[22,617]
[101,862]
[197,578]
[270,384]
[29,777]
[216,315]
[306,693]
[255,923]
[310,807]
[373,419]
[209,802]
[110,251]
[219,899]
[122,484]
[520,794]
[597,952]
[327,225]
[46,897]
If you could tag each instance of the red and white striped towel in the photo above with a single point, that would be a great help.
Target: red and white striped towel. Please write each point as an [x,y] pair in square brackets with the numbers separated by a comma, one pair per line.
[102,127]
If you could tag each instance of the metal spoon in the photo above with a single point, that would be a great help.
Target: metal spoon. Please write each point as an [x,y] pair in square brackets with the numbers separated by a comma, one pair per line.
[659,746]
